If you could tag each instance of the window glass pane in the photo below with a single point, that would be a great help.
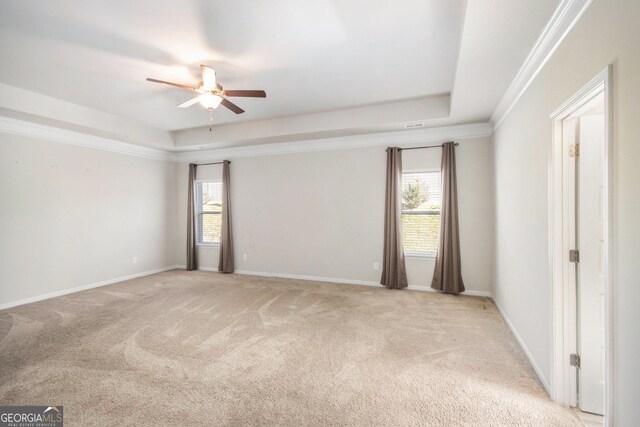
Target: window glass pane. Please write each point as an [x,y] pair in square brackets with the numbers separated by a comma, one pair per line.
[211,197]
[420,232]
[208,211]
[421,211]
[211,224]
[421,191]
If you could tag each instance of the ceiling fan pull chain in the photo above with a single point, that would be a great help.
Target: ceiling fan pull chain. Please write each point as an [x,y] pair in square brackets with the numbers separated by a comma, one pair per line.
[210,118]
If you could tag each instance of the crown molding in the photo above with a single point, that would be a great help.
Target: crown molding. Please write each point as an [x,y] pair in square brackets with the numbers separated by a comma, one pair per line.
[396,138]
[65,136]
[407,137]
[565,17]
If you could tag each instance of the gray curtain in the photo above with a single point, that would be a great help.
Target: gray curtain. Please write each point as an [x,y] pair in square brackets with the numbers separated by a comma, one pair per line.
[225,262]
[192,256]
[447,276]
[394,274]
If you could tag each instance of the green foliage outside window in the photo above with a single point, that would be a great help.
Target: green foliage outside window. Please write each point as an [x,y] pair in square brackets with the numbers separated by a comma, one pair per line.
[414,194]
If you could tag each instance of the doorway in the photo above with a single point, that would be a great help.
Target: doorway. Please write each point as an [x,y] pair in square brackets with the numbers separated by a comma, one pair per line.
[581,255]
[583,140]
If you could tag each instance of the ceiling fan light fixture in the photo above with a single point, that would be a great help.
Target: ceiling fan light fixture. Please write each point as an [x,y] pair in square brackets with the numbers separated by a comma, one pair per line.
[211,95]
[209,100]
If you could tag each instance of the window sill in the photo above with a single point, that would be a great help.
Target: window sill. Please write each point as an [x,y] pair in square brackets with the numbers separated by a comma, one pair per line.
[210,245]
[420,255]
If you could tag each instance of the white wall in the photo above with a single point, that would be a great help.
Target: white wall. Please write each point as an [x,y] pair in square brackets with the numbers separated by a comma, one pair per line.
[607,33]
[321,213]
[73,216]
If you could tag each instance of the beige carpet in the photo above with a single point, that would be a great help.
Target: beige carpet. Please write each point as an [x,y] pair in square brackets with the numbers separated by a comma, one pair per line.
[199,348]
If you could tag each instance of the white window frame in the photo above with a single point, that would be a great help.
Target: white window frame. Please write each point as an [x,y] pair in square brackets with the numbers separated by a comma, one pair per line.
[197,212]
[420,255]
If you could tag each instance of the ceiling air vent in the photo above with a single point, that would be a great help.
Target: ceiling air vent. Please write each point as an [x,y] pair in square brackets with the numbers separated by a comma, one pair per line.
[414,125]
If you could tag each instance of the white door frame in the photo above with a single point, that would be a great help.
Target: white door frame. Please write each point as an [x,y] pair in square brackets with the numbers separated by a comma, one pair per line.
[563,320]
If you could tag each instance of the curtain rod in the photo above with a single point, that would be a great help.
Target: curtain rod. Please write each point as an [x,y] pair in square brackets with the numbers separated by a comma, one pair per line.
[206,164]
[426,146]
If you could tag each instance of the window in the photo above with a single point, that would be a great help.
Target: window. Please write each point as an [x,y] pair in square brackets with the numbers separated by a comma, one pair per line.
[208,212]
[421,212]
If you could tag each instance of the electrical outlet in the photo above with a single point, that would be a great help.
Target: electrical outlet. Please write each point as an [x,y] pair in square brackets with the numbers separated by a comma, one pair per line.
[244,257]
[135,260]
[376,266]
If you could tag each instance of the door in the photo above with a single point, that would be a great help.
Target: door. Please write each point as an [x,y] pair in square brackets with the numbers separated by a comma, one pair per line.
[590,270]
[580,198]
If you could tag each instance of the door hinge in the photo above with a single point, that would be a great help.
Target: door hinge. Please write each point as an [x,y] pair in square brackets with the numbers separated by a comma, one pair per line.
[574,256]
[574,150]
[574,360]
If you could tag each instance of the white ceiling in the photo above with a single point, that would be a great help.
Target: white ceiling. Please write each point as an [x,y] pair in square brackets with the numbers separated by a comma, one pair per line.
[310,56]
[497,37]
[313,56]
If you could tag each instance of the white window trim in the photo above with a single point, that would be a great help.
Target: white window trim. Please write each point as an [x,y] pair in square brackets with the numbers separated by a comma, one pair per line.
[207,180]
[420,255]
[210,244]
[195,213]
[414,170]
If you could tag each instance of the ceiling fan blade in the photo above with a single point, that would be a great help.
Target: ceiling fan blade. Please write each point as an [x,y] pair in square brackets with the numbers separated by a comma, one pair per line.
[246,93]
[231,106]
[172,84]
[189,103]
[208,76]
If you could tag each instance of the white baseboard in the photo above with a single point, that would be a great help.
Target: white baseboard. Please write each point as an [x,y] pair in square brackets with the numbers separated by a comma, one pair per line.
[84,287]
[524,347]
[334,280]
[250,273]
[309,278]
[345,281]
[469,293]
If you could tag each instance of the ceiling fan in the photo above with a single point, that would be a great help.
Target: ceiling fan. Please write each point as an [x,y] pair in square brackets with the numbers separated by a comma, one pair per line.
[211,93]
